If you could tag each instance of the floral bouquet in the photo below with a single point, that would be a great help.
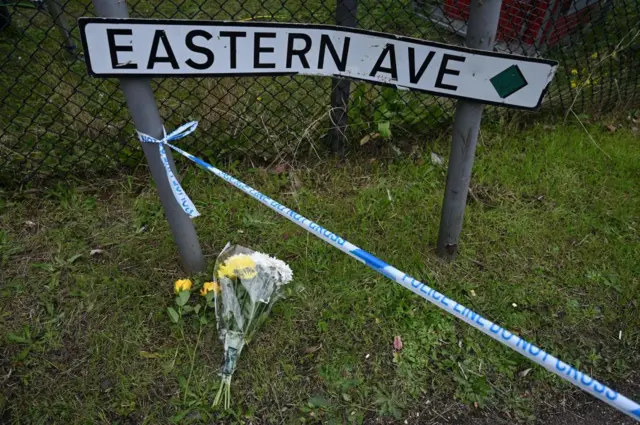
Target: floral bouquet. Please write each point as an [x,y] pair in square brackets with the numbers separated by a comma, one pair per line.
[248,284]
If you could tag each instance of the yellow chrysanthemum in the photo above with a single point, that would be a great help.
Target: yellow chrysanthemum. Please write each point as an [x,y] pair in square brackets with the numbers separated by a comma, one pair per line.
[574,84]
[574,72]
[182,285]
[240,265]
[208,287]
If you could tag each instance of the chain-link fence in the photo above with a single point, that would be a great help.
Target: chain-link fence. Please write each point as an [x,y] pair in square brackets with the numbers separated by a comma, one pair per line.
[55,120]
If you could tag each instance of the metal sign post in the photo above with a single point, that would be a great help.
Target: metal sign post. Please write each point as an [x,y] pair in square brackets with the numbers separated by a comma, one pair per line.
[146,118]
[55,9]
[483,23]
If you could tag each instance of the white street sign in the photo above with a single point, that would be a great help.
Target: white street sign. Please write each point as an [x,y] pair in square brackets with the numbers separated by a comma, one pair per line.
[167,48]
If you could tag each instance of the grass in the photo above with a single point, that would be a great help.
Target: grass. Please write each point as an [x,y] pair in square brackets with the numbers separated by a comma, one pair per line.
[549,249]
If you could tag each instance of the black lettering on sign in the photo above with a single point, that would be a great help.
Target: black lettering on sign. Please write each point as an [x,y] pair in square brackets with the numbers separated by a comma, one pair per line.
[115,48]
[258,49]
[158,36]
[233,44]
[326,43]
[444,70]
[300,53]
[390,50]
[199,49]
[413,77]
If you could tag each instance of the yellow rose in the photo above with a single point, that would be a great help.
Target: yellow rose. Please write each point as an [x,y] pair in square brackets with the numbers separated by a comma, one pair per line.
[182,285]
[208,287]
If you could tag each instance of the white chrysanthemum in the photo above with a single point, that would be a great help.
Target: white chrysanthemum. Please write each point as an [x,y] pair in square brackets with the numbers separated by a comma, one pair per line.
[277,268]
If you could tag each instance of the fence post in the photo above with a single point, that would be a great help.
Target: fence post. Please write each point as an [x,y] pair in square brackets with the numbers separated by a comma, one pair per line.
[346,16]
[5,17]
[484,16]
[55,10]
[146,118]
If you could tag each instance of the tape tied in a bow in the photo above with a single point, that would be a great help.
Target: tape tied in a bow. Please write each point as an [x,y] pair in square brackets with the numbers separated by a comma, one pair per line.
[181,197]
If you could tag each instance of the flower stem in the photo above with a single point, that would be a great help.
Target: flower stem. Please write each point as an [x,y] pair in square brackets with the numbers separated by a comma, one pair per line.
[216,400]
[223,395]
[193,356]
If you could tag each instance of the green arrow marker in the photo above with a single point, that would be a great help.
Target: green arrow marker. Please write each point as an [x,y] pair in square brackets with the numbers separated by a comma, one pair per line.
[508,81]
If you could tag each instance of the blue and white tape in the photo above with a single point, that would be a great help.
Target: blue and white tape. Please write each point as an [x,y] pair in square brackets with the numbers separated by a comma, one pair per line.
[181,197]
[511,340]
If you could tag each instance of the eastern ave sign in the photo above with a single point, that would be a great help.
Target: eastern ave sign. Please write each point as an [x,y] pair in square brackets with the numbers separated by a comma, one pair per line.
[167,48]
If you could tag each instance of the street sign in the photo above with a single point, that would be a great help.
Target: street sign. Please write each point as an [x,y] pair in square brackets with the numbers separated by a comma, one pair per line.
[173,48]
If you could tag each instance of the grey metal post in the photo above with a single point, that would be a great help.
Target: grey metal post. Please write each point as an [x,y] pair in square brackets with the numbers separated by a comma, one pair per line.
[147,119]
[346,16]
[55,9]
[483,23]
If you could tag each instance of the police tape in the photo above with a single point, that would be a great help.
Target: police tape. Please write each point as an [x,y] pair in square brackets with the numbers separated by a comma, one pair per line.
[511,340]
[181,196]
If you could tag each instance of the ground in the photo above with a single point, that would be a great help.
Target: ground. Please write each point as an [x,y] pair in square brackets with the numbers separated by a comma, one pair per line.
[549,249]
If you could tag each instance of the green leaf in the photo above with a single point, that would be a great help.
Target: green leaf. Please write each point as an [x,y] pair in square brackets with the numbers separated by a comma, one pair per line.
[178,417]
[149,355]
[317,401]
[173,315]
[323,326]
[203,320]
[384,128]
[23,354]
[74,258]
[17,338]
[197,308]
[187,309]
[183,298]
[209,297]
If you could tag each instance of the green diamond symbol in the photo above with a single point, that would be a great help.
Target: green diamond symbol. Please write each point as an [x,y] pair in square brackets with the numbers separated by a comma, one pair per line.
[508,81]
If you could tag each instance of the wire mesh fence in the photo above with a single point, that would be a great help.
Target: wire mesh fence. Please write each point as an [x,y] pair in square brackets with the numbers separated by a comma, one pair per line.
[57,121]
